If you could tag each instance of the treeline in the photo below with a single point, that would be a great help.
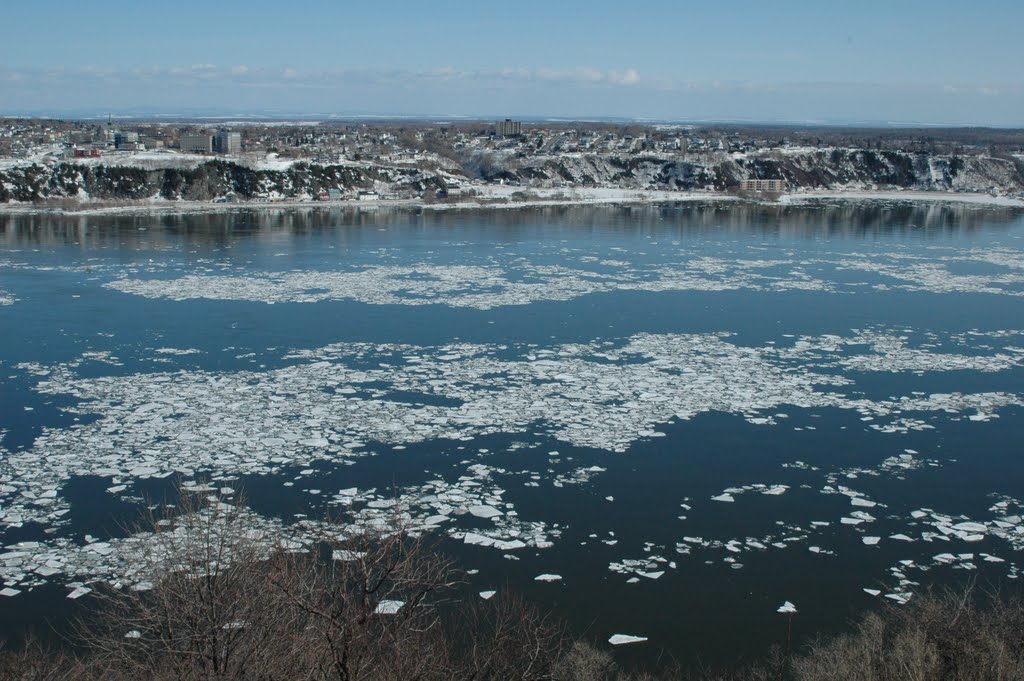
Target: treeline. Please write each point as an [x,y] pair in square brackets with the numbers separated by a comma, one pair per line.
[220,602]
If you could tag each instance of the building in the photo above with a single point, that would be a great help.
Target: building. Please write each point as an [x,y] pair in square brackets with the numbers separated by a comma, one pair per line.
[450,190]
[76,152]
[227,142]
[763,185]
[197,144]
[508,128]
[126,140]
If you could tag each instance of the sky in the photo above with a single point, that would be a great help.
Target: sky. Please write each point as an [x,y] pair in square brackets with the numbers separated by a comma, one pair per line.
[895,62]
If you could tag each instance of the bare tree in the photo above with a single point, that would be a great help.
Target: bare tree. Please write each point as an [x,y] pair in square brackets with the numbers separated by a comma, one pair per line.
[206,608]
[372,610]
[216,599]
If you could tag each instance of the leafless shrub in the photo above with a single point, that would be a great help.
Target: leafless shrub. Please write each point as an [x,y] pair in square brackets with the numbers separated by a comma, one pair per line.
[215,599]
[36,662]
[505,638]
[372,611]
[206,608]
[584,662]
[948,636]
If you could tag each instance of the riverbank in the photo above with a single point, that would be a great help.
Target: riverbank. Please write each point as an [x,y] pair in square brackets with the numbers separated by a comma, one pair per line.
[505,197]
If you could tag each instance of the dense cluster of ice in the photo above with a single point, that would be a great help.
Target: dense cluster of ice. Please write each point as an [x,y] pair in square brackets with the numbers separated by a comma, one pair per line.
[344,401]
[468,286]
[137,559]
[891,353]
[517,282]
[437,505]
[605,395]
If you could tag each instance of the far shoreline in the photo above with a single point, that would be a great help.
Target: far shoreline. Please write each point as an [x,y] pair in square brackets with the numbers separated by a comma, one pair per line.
[496,198]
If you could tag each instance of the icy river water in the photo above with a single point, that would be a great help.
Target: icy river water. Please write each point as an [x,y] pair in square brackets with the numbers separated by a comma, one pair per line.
[678,418]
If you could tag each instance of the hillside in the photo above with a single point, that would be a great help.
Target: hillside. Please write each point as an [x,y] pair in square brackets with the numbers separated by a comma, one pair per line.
[809,168]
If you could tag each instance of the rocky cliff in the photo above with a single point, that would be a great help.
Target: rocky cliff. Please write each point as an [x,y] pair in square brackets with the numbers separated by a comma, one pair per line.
[204,182]
[815,169]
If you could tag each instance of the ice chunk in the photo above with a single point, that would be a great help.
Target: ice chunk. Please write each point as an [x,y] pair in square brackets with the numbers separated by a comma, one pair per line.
[625,639]
[388,607]
[79,592]
[484,511]
[548,578]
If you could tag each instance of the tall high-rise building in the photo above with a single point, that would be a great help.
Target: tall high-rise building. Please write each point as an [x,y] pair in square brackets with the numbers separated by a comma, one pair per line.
[227,142]
[508,128]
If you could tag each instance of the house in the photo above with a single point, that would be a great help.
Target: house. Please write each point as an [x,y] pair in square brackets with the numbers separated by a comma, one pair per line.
[368,196]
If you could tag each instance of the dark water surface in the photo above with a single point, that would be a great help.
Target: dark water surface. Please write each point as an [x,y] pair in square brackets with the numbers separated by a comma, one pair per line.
[669,356]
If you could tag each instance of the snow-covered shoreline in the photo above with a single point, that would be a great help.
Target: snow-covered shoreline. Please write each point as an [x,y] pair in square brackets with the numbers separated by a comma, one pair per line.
[500,197]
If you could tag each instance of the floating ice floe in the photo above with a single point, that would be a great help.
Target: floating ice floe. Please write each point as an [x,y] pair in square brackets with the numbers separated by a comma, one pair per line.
[155,424]
[548,578]
[729,495]
[177,352]
[388,607]
[652,567]
[518,282]
[79,592]
[326,404]
[625,639]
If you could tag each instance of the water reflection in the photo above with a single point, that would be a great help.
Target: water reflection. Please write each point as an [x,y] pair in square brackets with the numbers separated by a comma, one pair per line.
[212,230]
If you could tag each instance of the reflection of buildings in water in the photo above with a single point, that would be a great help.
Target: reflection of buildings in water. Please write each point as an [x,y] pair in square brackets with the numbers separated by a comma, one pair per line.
[827,218]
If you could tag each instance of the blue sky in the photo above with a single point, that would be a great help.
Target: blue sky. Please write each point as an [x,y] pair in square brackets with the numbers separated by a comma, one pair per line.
[906,61]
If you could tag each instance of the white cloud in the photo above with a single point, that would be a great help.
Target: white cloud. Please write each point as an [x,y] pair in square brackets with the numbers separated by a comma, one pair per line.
[627,77]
